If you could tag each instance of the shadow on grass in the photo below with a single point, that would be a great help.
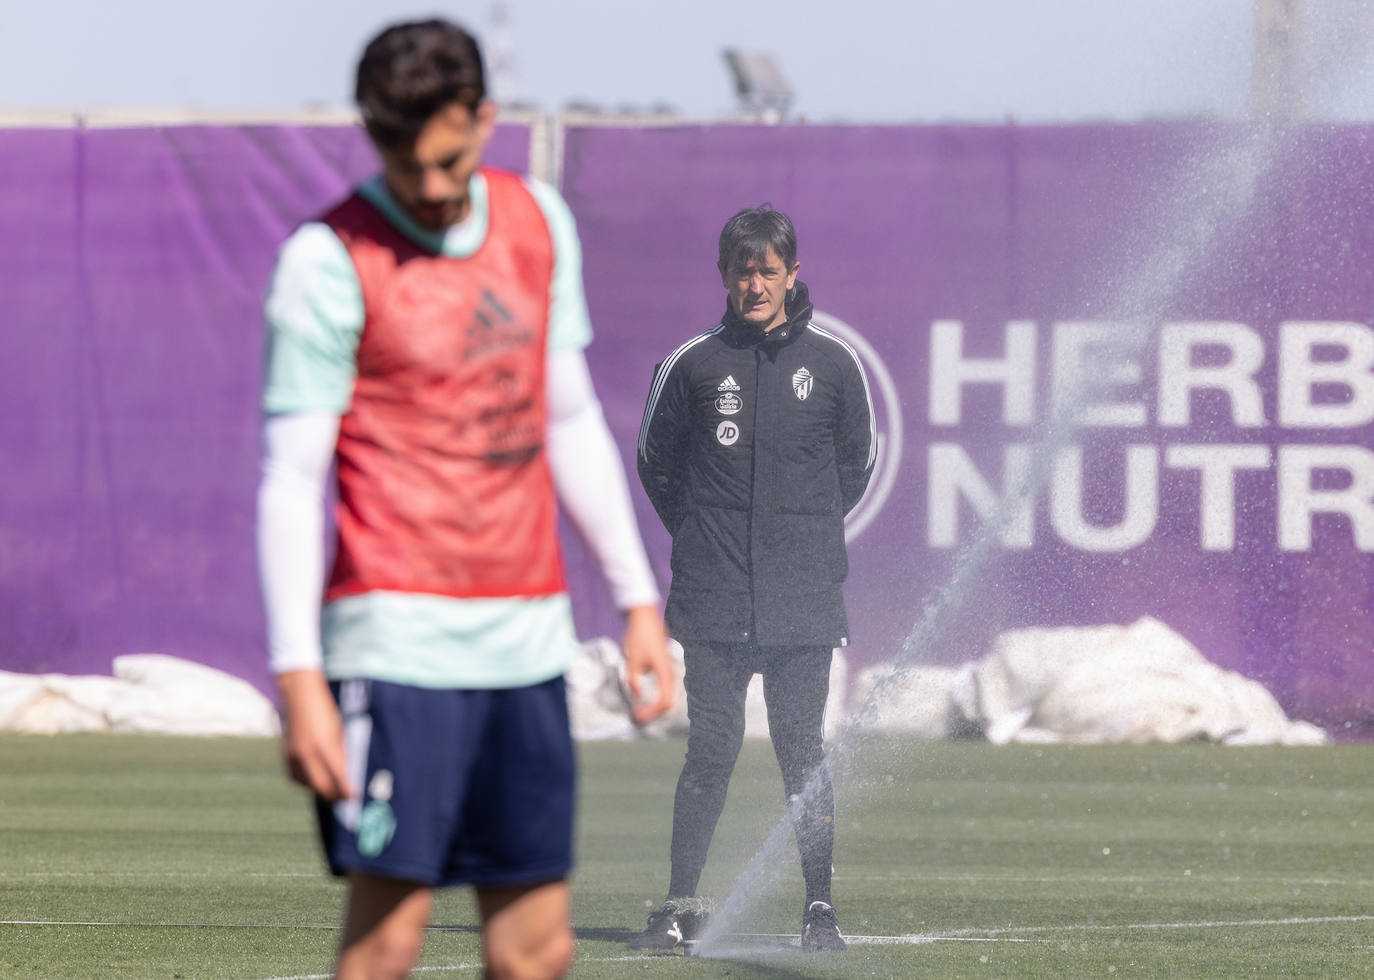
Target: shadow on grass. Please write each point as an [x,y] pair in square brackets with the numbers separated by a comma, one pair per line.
[744,965]
[598,935]
[619,935]
[740,967]
[747,966]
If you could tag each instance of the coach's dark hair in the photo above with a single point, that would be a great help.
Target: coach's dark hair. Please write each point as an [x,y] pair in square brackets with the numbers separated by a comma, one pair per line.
[410,71]
[752,232]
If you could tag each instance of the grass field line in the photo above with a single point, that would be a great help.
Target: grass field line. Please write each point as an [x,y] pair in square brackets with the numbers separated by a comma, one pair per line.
[170,925]
[453,967]
[887,940]
[975,934]
[162,874]
[1106,879]
[911,940]
[465,967]
[1132,926]
[971,932]
[1102,879]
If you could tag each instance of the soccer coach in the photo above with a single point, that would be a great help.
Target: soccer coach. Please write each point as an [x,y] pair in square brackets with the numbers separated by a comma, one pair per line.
[757,439]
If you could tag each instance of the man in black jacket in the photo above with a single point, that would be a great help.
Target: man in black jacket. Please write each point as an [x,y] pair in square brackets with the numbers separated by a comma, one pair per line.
[757,439]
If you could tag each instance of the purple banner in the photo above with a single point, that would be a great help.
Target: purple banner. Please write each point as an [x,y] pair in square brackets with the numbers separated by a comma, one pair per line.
[1160,332]
[133,263]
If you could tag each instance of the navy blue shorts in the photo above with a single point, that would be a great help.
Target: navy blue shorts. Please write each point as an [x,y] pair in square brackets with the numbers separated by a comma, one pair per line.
[458,786]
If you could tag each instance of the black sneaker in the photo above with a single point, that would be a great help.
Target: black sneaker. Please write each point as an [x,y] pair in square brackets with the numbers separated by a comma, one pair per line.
[676,921]
[821,929]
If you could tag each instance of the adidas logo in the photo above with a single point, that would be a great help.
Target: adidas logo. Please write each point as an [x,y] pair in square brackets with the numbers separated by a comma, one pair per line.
[728,384]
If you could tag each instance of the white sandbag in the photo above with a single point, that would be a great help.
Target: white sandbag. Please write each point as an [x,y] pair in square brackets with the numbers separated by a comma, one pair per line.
[1142,683]
[54,704]
[17,691]
[915,700]
[179,697]
[150,693]
[599,696]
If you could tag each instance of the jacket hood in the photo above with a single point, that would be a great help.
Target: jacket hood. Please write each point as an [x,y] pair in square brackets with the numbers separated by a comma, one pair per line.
[798,306]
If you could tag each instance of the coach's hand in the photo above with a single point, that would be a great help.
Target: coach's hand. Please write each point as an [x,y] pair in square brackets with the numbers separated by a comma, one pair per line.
[312,735]
[646,652]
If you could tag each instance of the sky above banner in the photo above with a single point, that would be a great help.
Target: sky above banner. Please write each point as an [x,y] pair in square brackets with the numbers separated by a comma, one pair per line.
[868,60]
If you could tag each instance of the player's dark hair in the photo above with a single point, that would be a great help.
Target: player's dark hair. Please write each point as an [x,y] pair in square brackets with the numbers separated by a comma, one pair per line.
[411,71]
[752,232]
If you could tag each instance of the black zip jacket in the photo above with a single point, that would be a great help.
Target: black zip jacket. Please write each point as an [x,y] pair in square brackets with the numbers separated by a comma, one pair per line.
[752,449]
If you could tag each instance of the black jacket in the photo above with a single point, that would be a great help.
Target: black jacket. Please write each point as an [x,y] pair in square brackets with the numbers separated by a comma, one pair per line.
[752,449]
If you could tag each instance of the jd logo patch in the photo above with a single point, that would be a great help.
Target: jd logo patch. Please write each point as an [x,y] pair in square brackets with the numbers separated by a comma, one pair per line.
[727,433]
[376,827]
[801,383]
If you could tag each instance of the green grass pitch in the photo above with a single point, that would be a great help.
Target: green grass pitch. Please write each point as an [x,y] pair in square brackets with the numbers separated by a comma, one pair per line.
[131,856]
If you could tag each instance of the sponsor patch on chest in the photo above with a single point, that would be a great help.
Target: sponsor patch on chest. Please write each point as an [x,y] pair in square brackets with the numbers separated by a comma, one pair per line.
[729,403]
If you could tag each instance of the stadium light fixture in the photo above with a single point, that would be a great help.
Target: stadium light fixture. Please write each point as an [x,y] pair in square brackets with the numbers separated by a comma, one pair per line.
[762,89]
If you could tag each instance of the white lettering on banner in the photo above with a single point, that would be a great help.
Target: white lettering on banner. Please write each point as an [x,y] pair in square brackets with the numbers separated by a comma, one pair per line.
[954,478]
[1218,466]
[1324,379]
[953,474]
[1142,501]
[1179,377]
[950,370]
[1299,503]
[1300,374]
[1090,359]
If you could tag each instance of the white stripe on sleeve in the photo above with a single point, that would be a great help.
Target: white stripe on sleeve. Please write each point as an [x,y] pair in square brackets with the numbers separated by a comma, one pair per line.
[661,378]
[868,393]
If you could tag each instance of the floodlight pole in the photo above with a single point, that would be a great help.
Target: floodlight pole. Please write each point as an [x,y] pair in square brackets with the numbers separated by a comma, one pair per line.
[1278,89]
[500,50]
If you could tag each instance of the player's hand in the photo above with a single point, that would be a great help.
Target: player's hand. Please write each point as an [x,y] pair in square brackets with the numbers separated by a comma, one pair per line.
[312,735]
[646,653]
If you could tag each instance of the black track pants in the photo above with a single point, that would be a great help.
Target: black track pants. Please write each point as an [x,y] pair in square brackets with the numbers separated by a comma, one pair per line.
[796,681]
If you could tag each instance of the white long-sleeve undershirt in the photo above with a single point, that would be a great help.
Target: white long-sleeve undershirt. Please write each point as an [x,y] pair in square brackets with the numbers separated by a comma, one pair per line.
[591,484]
[298,451]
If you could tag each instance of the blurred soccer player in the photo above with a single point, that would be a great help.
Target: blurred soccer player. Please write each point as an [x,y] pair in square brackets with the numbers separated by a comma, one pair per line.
[425,336]
[757,439]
